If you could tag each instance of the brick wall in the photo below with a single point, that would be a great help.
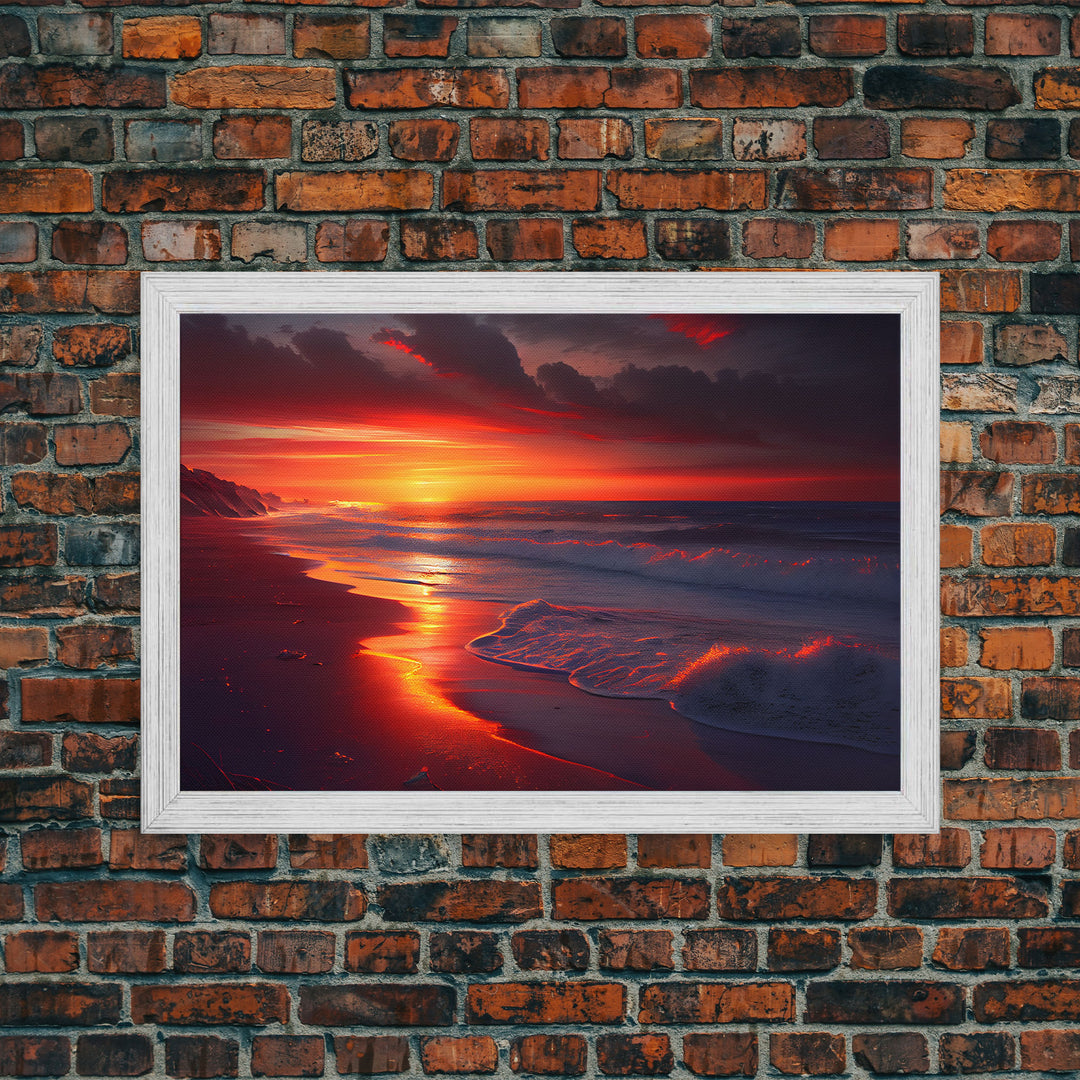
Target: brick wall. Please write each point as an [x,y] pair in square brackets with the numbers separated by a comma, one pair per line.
[539,134]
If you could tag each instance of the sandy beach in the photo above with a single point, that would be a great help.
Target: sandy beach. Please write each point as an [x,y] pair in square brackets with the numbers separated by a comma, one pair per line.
[292,679]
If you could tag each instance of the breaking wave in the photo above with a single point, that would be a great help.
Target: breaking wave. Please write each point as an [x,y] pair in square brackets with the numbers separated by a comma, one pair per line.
[826,690]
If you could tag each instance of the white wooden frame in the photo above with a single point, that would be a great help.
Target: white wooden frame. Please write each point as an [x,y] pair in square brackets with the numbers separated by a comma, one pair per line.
[167,809]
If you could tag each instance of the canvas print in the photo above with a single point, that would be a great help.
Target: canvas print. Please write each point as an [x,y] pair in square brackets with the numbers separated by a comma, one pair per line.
[555,551]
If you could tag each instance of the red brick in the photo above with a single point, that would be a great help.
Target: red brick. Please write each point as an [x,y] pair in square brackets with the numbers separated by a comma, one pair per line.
[981,1052]
[41,393]
[981,291]
[629,898]
[182,190]
[693,239]
[249,1004]
[245,32]
[551,190]
[181,241]
[769,87]
[650,189]
[584,37]
[1017,442]
[803,950]
[610,238]
[461,1054]
[935,139]
[1023,35]
[423,139]
[948,848]
[768,898]
[843,849]
[423,88]
[111,901]
[546,1003]
[1018,545]
[807,1053]
[862,240]
[249,137]
[1050,1051]
[202,951]
[377,1004]
[980,494]
[254,87]
[328,851]
[1024,241]
[238,852]
[34,1055]
[27,545]
[775,238]
[464,951]
[115,395]
[295,952]
[11,902]
[954,647]
[368,1055]
[162,37]
[1035,999]
[641,1054]
[684,140]
[287,1055]
[65,86]
[1010,596]
[720,950]
[549,1055]
[666,37]
[417,35]
[40,798]
[589,138]
[201,1056]
[25,749]
[23,646]
[322,901]
[19,344]
[721,1054]
[61,849]
[95,345]
[91,646]
[91,444]
[352,241]
[337,36]
[88,243]
[1051,494]
[891,1053]
[855,137]
[966,898]
[674,850]
[754,849]
[935,35]
[523,239]
[1017,849]
[595,87]
[470,900]
[42,951]
[944,240]
[1024,647]
[885,1002]
[381,952]
[1009,799]
[125,951]
[338,140]
[882,189]
[515,139]
[115,1054]
[374,189]
[114,292]
[635,950]
[11,141]
[885,948]
[715,1003]
[1050,698]
[60,1004]
[972,948]
[493,37]
[550,950]
[130,849]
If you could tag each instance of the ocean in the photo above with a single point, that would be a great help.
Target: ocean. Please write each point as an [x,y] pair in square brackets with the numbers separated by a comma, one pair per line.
[777,619]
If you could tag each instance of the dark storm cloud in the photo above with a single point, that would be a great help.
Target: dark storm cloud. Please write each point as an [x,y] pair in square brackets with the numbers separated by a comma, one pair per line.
[464,345]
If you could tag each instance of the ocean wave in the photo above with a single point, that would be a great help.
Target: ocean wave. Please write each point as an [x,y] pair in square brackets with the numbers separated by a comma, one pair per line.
[826,690]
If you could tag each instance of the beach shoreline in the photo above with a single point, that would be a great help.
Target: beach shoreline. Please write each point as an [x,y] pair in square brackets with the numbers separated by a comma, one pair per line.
[306,682]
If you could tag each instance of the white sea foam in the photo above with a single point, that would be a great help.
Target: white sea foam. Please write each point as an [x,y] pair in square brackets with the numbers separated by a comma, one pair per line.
[825,690]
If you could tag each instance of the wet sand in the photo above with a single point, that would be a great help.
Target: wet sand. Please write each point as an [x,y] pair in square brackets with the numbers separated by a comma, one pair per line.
[292,679]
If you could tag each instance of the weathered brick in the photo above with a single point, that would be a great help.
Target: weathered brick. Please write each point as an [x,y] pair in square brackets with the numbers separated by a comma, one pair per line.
[642,1054]
[338,140]
[418,35]
[980,494]
[777,238]
[201,1056]
[765,140]
[248,1004]
[162,37]
[1010,189]
[322,901]
[464,950]
[115,395]
[721,1054]
[379,952]
[693,239]
[1013,441]
[287,1055]
[340,851]
[807,1053]
[943,240]
[18,240]
[1017,849]
[981,1052]
[1018,545]
[755,849]
[444,901]
[629,898]
[374,189]
[803,950]
[1022,35]
[953,647]
[967,898]
[795,898]
[890,86]
[295,952]
[1023,241]
[25,749]
[522,239]
[498,36]
[949,848]
[19,343]
[114,901]
[249,137]
[1057,88]
[245,32]
[887,1002]
[350,1004]
[921,137]
[254,87]
[422,88]
[61,849]
[48,951]
[665,37]
[635,950]
[355,240]
[551,190]
[91,444]
[1019,344]
[14,36]
[550,950]
[862,240]
[45,191]
[65,86]
[769,87]
[610,238]
[674,850]
[843,849]
[582,37]
[972,948]
[176,191]
[1023,140]
[594,138]
[882,189]
[59,1004]
[854,137]
[34,1055]
[778,35]
[1029,648]
[1050,1051]
[957,749]
[368,1055]
[715,1003]
[549,1055]
[509,139]
[113,292]
[885,948]
[278,241]
[720,950]
[648,189]
[684,140]
[897,1053]
[935,35]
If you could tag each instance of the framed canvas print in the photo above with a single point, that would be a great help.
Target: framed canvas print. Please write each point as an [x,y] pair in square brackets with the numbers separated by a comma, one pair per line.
[563,551]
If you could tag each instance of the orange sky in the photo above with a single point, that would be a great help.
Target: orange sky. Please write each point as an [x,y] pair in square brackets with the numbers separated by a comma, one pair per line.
[406,408]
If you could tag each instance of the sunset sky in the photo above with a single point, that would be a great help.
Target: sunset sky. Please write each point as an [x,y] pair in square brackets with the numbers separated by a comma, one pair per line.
[437,408]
